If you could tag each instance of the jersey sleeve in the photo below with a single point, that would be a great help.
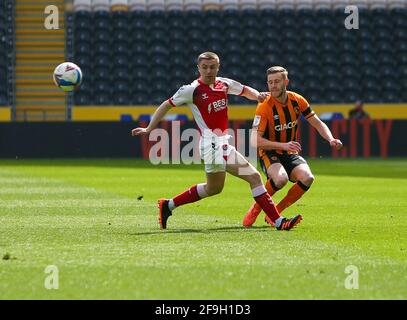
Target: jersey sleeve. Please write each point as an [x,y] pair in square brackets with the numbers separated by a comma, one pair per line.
[184,95]
[305,107]
[234,87]
[260,118]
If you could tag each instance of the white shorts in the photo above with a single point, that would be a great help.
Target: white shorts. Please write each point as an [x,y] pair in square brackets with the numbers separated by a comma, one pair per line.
[215,151]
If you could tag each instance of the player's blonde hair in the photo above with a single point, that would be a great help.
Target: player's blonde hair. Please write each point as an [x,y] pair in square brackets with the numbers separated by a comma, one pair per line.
[208,56]
[278,69]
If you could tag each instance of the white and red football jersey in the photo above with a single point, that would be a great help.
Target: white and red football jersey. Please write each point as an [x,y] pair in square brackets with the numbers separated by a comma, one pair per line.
[208,103]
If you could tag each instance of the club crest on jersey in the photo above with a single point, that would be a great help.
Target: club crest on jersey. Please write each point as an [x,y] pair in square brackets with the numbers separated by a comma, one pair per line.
[297,109]
[204,96]
[221,86]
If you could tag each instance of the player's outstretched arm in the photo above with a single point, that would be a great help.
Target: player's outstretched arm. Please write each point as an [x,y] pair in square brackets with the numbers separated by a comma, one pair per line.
[252,94]
[155,119]
[324,131]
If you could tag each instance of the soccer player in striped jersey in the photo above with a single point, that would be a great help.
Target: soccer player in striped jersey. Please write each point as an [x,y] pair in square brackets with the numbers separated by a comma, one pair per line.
[207,98]
[275,132]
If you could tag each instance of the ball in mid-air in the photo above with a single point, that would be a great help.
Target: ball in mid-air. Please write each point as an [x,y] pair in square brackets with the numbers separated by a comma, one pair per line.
[67,76]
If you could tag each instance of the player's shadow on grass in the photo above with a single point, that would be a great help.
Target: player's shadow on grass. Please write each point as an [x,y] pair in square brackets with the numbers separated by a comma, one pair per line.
[208,230]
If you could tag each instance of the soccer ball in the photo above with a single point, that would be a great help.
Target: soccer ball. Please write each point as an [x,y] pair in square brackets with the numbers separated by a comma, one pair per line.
[67,76]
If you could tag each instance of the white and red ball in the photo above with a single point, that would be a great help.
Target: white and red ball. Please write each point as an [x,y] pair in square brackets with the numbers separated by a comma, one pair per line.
[67,76]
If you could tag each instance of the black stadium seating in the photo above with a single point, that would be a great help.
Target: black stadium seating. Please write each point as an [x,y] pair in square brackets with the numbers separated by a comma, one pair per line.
[143,57]
[6,43]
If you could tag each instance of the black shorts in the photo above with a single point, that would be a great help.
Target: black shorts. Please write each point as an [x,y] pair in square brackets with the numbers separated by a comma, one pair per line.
[288,161]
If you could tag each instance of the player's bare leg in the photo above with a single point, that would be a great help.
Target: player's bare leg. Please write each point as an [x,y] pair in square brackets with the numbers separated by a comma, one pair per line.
[213,185]
[278,178]
[238,166]
[215,182]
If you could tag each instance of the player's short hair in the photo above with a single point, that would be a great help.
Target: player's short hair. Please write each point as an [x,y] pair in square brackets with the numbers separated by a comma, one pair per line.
[208,56]
[278,69]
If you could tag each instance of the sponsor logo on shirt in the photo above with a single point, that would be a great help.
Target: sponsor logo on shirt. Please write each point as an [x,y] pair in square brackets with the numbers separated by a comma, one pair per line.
[286,126]
[217,105]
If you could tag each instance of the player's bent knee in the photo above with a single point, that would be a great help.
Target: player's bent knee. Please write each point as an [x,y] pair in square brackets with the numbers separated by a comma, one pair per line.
[214,190]
[307,180]
[280,182]
[255,178]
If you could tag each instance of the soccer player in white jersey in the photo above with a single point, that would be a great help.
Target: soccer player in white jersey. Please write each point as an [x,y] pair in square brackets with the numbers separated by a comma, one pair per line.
[207,98]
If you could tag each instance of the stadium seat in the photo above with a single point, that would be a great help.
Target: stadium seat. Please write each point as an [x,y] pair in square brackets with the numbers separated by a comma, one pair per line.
[286,4]
[322,4]
[361,4]
[79,5]
[101,60]
[194,20]
[101,5]
[155,5]
[340,4]
[377,4]
[83,59]
[312,72]
[334,96]
[121,85]
[101,46]
[137,5]
[139,68]
[121,98]
[303,4]
[193,5]
[314,96]
[120,20]
[102,98]
[140,97]
[84,35]
[230,5]
[396,4]
[83,47]
[174,5]
[209,5]
[119,5]
[82,20]
[158,58]
[3,99]
[247,4]
[83,98]
[230,19]
[102,20]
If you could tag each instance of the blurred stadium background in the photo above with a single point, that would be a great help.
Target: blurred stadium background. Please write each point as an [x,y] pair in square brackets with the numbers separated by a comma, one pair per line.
[136,53]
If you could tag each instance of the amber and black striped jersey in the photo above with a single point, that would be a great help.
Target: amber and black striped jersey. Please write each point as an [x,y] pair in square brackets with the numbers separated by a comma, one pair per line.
[278,121]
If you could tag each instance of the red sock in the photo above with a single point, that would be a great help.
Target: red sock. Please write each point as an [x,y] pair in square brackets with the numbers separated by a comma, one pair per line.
[271,189]
[191,195]
[266,203]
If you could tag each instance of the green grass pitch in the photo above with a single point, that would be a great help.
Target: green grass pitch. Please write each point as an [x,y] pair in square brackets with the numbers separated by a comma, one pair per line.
[85,218]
